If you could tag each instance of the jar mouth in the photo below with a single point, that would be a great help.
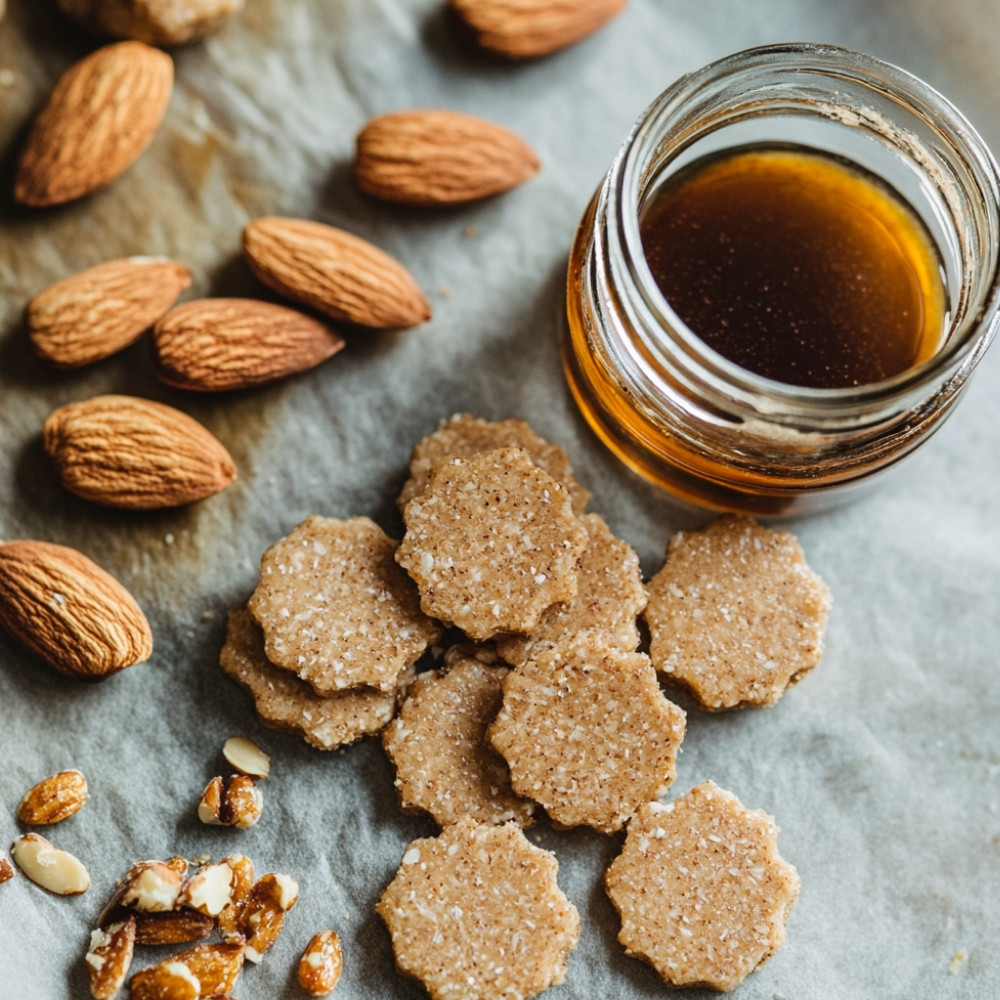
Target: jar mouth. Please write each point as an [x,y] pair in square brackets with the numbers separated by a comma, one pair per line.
[847,90]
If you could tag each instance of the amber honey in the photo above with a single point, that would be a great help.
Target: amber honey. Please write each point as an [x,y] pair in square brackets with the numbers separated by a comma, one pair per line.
[796,266]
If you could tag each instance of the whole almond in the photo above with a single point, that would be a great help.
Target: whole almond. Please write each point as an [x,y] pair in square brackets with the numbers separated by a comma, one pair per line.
[54,799]
[58,871]
[439,158]
[336,272]
[102,114]
[523,29]
[69,611]
[158,22]
[102,310]
[121,451]
[212,345]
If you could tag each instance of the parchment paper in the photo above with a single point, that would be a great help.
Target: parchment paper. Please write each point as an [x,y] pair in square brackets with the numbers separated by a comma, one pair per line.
[882,768]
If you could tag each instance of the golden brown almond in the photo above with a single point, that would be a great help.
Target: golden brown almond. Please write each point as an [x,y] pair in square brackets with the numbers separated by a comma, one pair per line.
[210,803]
[230,919]
[157,22]
[6,868]
[439,158]
[151,888]
[209,890]
[53,799]
[320,965]
[109,957]
[334,271]
[167,981]
[47,866]
[172,927]
[242,802]
[264,912]
[121,451]
[70,612]
[214,345]
[214,967]
[523,29]
[102,310]
[101,115]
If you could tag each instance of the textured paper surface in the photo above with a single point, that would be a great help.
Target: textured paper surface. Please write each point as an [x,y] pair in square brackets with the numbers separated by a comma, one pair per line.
[882,768]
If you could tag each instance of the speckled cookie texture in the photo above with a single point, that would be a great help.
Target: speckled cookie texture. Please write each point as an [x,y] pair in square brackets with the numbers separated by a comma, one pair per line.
[587,732]
[701,889]
[286,703]
[610,595]
[492,543]
[463,436]
[437,743]
[476,914]
[735,614]
[336,609]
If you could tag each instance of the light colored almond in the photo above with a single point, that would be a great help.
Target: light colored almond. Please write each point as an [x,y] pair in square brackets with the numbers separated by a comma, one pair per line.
[321,963]
[69,611]
[247,757]
[209,890]
[101,115]
[102,310]
[158,22]
[121,451]
[58,871]
[173,927]
[439,158]
[334,271]
[264,912]
[53,799]
[214,345]
[109,957]
[523,29]
[6,868]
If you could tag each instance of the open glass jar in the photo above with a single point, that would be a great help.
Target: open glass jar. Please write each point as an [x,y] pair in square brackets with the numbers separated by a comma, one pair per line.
[699,425]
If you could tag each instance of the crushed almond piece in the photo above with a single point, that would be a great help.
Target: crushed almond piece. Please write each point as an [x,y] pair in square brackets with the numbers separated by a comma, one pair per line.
[336,609]
[587,731]
[286,703]
[437,743]
[703,894]
[476,913]
[463,436]
[264,912]
[492,543]
[735,614]
[109,957]
[320,965]
[610,594]
[6,868]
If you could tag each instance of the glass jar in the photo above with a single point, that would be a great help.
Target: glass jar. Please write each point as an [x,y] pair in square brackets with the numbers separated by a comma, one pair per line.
[699,425]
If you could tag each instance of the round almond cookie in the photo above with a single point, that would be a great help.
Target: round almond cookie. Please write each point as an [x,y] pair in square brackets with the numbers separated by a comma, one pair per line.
[610,595]
[336,609]
[492,543]
[587,732]
[463,436]
[735,614]
[290,705]
[702,892]
[476,914]
[437,743]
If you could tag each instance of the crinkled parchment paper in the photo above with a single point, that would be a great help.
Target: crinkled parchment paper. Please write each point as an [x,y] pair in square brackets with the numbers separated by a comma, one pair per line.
[882,768]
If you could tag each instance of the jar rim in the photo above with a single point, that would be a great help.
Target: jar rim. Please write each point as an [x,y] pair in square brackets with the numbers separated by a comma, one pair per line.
[962,343]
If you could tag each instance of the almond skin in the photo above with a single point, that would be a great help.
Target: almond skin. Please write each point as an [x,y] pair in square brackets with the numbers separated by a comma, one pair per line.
[120,451]
[439,158]
[212,345]
[102,114]
[102,310]
[524,29]
[158,22]
[70,612]
[54,799]
[335,272]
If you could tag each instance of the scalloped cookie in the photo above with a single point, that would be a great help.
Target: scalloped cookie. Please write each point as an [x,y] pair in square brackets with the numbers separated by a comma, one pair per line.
[587,732]
[290,705]
[492,543]
[735,614]
[463,436]
[437,743]
[701,889]
[476,914]
[610,595]
[336,609]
